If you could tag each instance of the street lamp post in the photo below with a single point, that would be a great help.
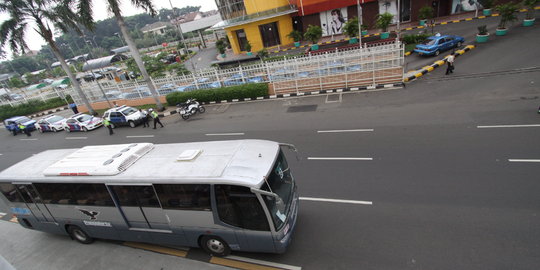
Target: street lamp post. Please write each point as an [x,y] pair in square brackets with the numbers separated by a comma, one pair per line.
[359,9]
[121,40]
[179,28]
[94,75]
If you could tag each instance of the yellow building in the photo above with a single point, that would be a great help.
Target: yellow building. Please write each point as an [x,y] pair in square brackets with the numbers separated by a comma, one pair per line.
[262,23]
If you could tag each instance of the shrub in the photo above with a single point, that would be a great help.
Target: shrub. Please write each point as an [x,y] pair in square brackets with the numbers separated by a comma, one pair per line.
[351,27]
[508,13]
[33,106]
[383,20]
[251,90]
[482,30]
[414,38]
[530,4]
[425,12]
[263,53]
[295,35]
[487,4]
[248,46]
[313,33]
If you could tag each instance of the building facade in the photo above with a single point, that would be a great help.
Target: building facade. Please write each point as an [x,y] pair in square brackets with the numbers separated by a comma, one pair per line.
[262,23]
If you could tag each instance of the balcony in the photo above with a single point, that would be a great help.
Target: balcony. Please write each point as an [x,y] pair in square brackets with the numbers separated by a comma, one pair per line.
[259,16]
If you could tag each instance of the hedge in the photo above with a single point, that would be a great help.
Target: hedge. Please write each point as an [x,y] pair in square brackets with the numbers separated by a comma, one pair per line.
[33,106]
[250,90]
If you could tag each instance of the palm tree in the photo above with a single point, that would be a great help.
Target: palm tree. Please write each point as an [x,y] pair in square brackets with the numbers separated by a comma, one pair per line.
[39,14]
[85,11]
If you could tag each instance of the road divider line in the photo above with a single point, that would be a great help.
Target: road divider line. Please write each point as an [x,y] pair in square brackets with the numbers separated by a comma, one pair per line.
[76,138]
[335,200]
[158,249]
[28,139]
[524,160]
[264,263]
[345,130]
[339,158]
[140,136]
[225,134]
[509,126]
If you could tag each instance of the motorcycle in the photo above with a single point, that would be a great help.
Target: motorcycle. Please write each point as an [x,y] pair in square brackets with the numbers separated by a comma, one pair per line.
[191,107]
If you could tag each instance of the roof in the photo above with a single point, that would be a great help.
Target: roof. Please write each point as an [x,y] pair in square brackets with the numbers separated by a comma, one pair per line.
[120,50]
[103,62]
[200,24]
[60,82]
[155,26]
[255,17]
[36,86]
[241,162]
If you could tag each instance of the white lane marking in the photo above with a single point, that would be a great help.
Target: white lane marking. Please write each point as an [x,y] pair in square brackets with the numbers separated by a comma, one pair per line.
[265,263]
[524,160]
[339,158]
[141,136]
[28,139]
[344,130]
[335,200]
[509,126]
[76,138]
[225,134]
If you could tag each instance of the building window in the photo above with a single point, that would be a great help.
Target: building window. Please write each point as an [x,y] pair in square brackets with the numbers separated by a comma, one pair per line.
[270,34]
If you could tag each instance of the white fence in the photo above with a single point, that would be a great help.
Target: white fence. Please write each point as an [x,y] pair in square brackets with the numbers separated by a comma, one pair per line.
[353,67]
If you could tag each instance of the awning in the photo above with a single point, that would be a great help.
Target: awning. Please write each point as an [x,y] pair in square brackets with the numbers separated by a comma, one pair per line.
[36,86]
[120,50]
[103,62]
[59,82]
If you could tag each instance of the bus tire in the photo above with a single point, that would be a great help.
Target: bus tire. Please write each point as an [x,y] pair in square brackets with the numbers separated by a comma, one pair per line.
[78,234]
[214,245]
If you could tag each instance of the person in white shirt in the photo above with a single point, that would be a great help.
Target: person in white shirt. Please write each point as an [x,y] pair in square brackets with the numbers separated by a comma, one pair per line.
[450,61]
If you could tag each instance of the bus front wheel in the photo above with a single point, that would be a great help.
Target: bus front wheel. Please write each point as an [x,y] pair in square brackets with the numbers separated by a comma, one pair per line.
[78,234]
[215,246]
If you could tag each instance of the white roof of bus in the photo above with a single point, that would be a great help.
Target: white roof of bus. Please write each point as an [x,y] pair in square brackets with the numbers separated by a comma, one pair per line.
[241,162]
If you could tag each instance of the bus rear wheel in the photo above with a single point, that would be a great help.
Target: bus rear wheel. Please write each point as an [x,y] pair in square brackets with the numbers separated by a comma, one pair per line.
[215,246]
[78,234]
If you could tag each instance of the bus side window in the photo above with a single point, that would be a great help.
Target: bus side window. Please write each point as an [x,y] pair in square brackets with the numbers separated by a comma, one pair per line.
[184,197]
[10,192]
[239,207]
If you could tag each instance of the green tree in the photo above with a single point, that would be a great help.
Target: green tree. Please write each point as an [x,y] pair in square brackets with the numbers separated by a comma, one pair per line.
[42,14]
[16,82]
[85,13]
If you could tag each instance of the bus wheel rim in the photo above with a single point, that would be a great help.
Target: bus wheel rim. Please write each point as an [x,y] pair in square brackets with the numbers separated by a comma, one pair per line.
[215,246]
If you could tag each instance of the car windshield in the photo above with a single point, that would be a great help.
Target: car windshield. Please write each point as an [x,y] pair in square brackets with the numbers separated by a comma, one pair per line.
[429,42]
[129,111]
[55,119]
[84,118]
[22,120]
[281,183]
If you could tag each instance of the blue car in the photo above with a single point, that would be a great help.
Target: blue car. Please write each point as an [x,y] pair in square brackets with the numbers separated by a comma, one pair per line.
[434,45]
[202,83]
[12,124]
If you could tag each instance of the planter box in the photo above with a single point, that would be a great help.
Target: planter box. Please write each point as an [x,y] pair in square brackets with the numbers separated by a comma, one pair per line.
[297,44]
[422,22]
[528,22]
[364,32]
[501,32]
[385,35]
[353,41]
[486,12]
[482,38]
[223,55]
[249,53]
[314,47]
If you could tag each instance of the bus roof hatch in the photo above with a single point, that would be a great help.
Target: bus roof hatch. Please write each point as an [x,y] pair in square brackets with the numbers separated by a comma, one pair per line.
[99,160]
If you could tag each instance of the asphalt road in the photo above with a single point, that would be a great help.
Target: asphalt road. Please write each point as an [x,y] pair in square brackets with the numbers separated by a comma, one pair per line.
[444,192]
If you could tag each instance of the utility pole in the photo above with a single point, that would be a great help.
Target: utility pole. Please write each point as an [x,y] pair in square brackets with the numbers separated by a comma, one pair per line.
[121,40]
[179,28]
[398,19]
[93,74]
[359,9]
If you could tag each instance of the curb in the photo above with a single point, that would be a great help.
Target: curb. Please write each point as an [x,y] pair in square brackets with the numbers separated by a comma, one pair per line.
[404,29]
[337,90]
[436,64]
[48,112]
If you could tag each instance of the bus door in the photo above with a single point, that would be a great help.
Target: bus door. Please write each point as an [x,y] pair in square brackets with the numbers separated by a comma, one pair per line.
[35,203]
[140,206]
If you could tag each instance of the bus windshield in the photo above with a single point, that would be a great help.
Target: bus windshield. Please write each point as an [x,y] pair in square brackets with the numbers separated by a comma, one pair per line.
[281,183]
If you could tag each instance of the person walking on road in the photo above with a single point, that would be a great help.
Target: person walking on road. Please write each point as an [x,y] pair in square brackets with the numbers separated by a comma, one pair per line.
[144,114]
[155,116]
[450,62]
[24,130]
[73,107]
[107,123]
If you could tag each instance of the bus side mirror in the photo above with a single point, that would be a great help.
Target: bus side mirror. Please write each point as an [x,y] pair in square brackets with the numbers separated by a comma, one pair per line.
[291,147]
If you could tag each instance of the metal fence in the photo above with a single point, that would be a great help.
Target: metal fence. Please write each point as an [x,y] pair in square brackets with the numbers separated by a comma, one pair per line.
[352,67]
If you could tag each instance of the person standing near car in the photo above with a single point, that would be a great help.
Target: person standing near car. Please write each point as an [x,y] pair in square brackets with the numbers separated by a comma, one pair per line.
[450,63]
[144,114]
[107,123]
[24,130]
[155,116]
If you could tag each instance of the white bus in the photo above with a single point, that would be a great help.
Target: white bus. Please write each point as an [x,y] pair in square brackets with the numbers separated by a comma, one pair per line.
[221,195]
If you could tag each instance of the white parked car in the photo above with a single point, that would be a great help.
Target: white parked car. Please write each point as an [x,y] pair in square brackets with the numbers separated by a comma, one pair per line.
[123,116]
[52,123]
[82,122]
